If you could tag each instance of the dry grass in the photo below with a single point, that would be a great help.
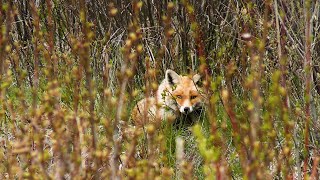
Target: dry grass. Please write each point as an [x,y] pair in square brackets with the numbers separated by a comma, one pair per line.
[70,73]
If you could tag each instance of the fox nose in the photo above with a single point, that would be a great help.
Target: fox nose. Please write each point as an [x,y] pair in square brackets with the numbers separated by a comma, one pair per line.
[186,109]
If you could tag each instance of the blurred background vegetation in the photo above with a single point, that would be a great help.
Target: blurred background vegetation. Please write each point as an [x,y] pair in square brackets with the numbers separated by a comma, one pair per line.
[71,71]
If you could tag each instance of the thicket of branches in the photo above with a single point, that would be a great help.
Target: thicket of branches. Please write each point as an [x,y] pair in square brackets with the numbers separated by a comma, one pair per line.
[70,72]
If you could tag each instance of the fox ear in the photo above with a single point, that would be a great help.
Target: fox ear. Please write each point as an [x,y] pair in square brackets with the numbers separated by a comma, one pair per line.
[172,77]
[196,78]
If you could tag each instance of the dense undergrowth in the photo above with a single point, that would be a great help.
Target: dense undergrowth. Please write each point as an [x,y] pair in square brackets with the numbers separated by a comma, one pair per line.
[71,71]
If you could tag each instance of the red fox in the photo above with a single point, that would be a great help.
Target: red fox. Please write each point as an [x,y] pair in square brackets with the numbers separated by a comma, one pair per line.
[176,96]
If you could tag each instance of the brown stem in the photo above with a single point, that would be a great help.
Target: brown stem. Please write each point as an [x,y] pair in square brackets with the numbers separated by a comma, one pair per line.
[307,67]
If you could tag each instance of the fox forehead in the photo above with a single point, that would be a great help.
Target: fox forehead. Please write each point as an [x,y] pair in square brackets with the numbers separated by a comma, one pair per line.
[186,81]
[186,85]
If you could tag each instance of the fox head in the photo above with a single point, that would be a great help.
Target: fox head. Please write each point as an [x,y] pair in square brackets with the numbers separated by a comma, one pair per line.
[184,91]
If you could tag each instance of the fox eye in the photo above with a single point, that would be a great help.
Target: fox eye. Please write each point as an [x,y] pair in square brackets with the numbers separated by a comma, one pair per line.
[179,97]
[193,97]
